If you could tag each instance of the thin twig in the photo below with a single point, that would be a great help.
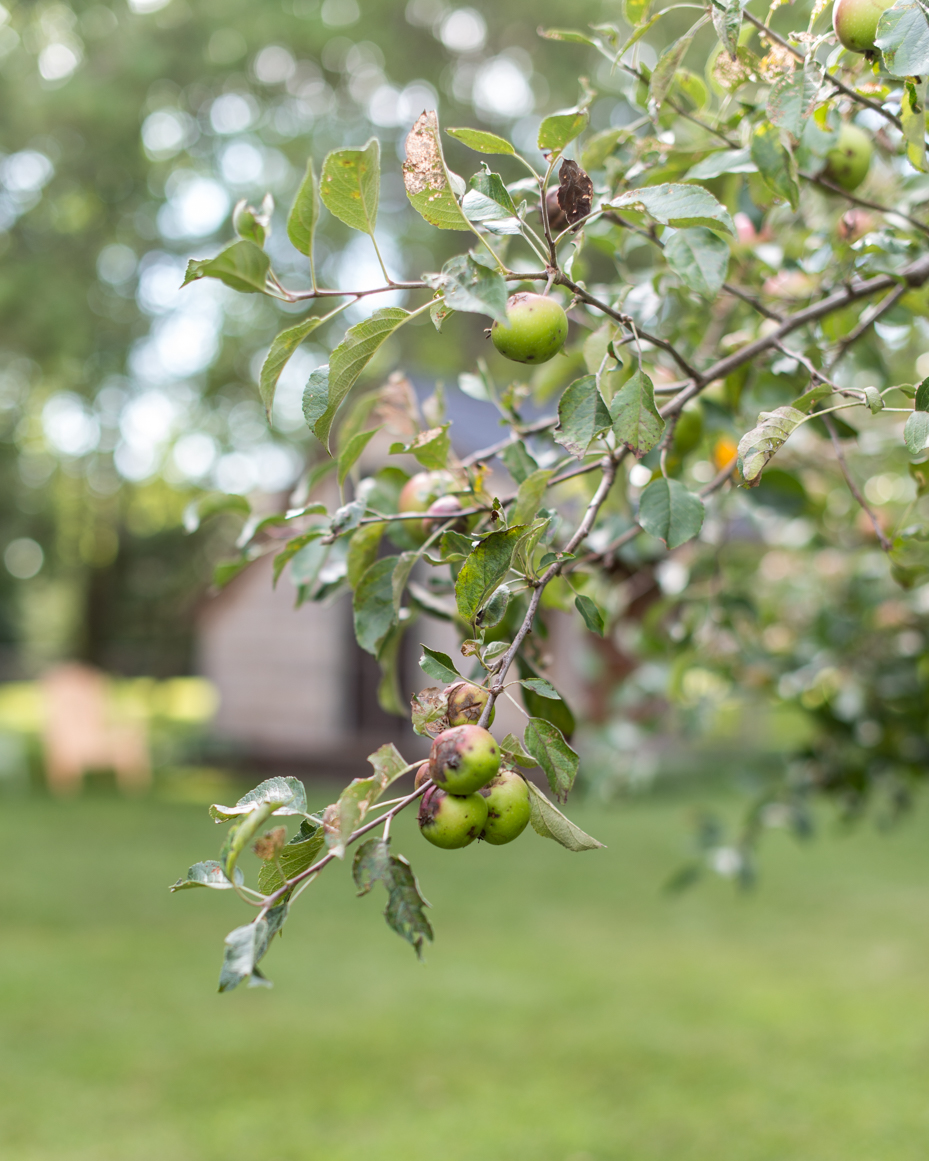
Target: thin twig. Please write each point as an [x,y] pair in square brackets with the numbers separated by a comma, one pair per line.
[870,318]
[289,885]
[609,464]
[818,179]
[852,486]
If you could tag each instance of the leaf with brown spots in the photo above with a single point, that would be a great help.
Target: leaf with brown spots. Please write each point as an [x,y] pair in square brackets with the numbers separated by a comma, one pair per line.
[350,185]
[427,180]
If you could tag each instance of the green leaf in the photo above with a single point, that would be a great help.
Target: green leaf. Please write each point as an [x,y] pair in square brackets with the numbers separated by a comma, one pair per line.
[518,462]
[294,545]
[389,697]
[282,347]
[246,947]
[227,570]
[481,141]
[560,129]
[438,665]
[400,576]
[679,205]
[210,505]
[636,422]
[328,386]
[530,495]
[430,447]
[775,163]
[667,510]
[903,38]
[243,266]
[484,570]
[582,414]
[350,184]
[240,834]
[700,258]
[916,432]
[285,795]
[405,912]
[567,35]
[593,618]
[373,604]
[362,551]
[208,874]
[495,609]
[757,446]
[303,850]
[542,687]
[791,97]
[921,398]
[348,457]
[304,214]
[344,817]
[427,180]
[634,11]
[512,750]
[725,161]
[546,744]
[913,117]
[491,186]
[255,225]
[548,821]
[920,475]
[727,20]
[469,286]
[665,68]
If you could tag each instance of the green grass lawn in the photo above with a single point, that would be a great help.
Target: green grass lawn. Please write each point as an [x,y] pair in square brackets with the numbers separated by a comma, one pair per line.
[568,1011]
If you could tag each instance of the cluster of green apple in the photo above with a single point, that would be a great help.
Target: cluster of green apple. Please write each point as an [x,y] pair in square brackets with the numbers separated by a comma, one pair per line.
[471,796]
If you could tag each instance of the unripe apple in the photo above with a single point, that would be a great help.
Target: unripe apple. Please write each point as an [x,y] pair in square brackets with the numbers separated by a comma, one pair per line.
[441,511]
[855,22]
[463,759]
[466,703]
[507,798]
[848,161]
[417,494]
[421,775]
[535,331]
[451,821]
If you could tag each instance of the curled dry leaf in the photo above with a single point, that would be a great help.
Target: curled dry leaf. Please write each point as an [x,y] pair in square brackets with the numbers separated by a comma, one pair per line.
[270,843]
[397,408]
[575,191]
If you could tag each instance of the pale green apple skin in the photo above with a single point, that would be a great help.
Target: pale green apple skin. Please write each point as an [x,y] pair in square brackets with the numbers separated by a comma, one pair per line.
[535,331]
[849,160]
[855,22]
[507,808]
[466,704]
[451,821]
[463,759]
[418,494]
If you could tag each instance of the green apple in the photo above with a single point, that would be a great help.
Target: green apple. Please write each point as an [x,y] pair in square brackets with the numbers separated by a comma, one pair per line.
[466,703]
[418,494]
[507,798]
[535,331]
[855,22]
[848,161]
[451,821]
[463,759]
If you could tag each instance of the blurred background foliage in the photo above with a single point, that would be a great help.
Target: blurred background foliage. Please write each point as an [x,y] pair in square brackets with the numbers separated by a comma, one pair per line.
[777,644]
[127,134]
